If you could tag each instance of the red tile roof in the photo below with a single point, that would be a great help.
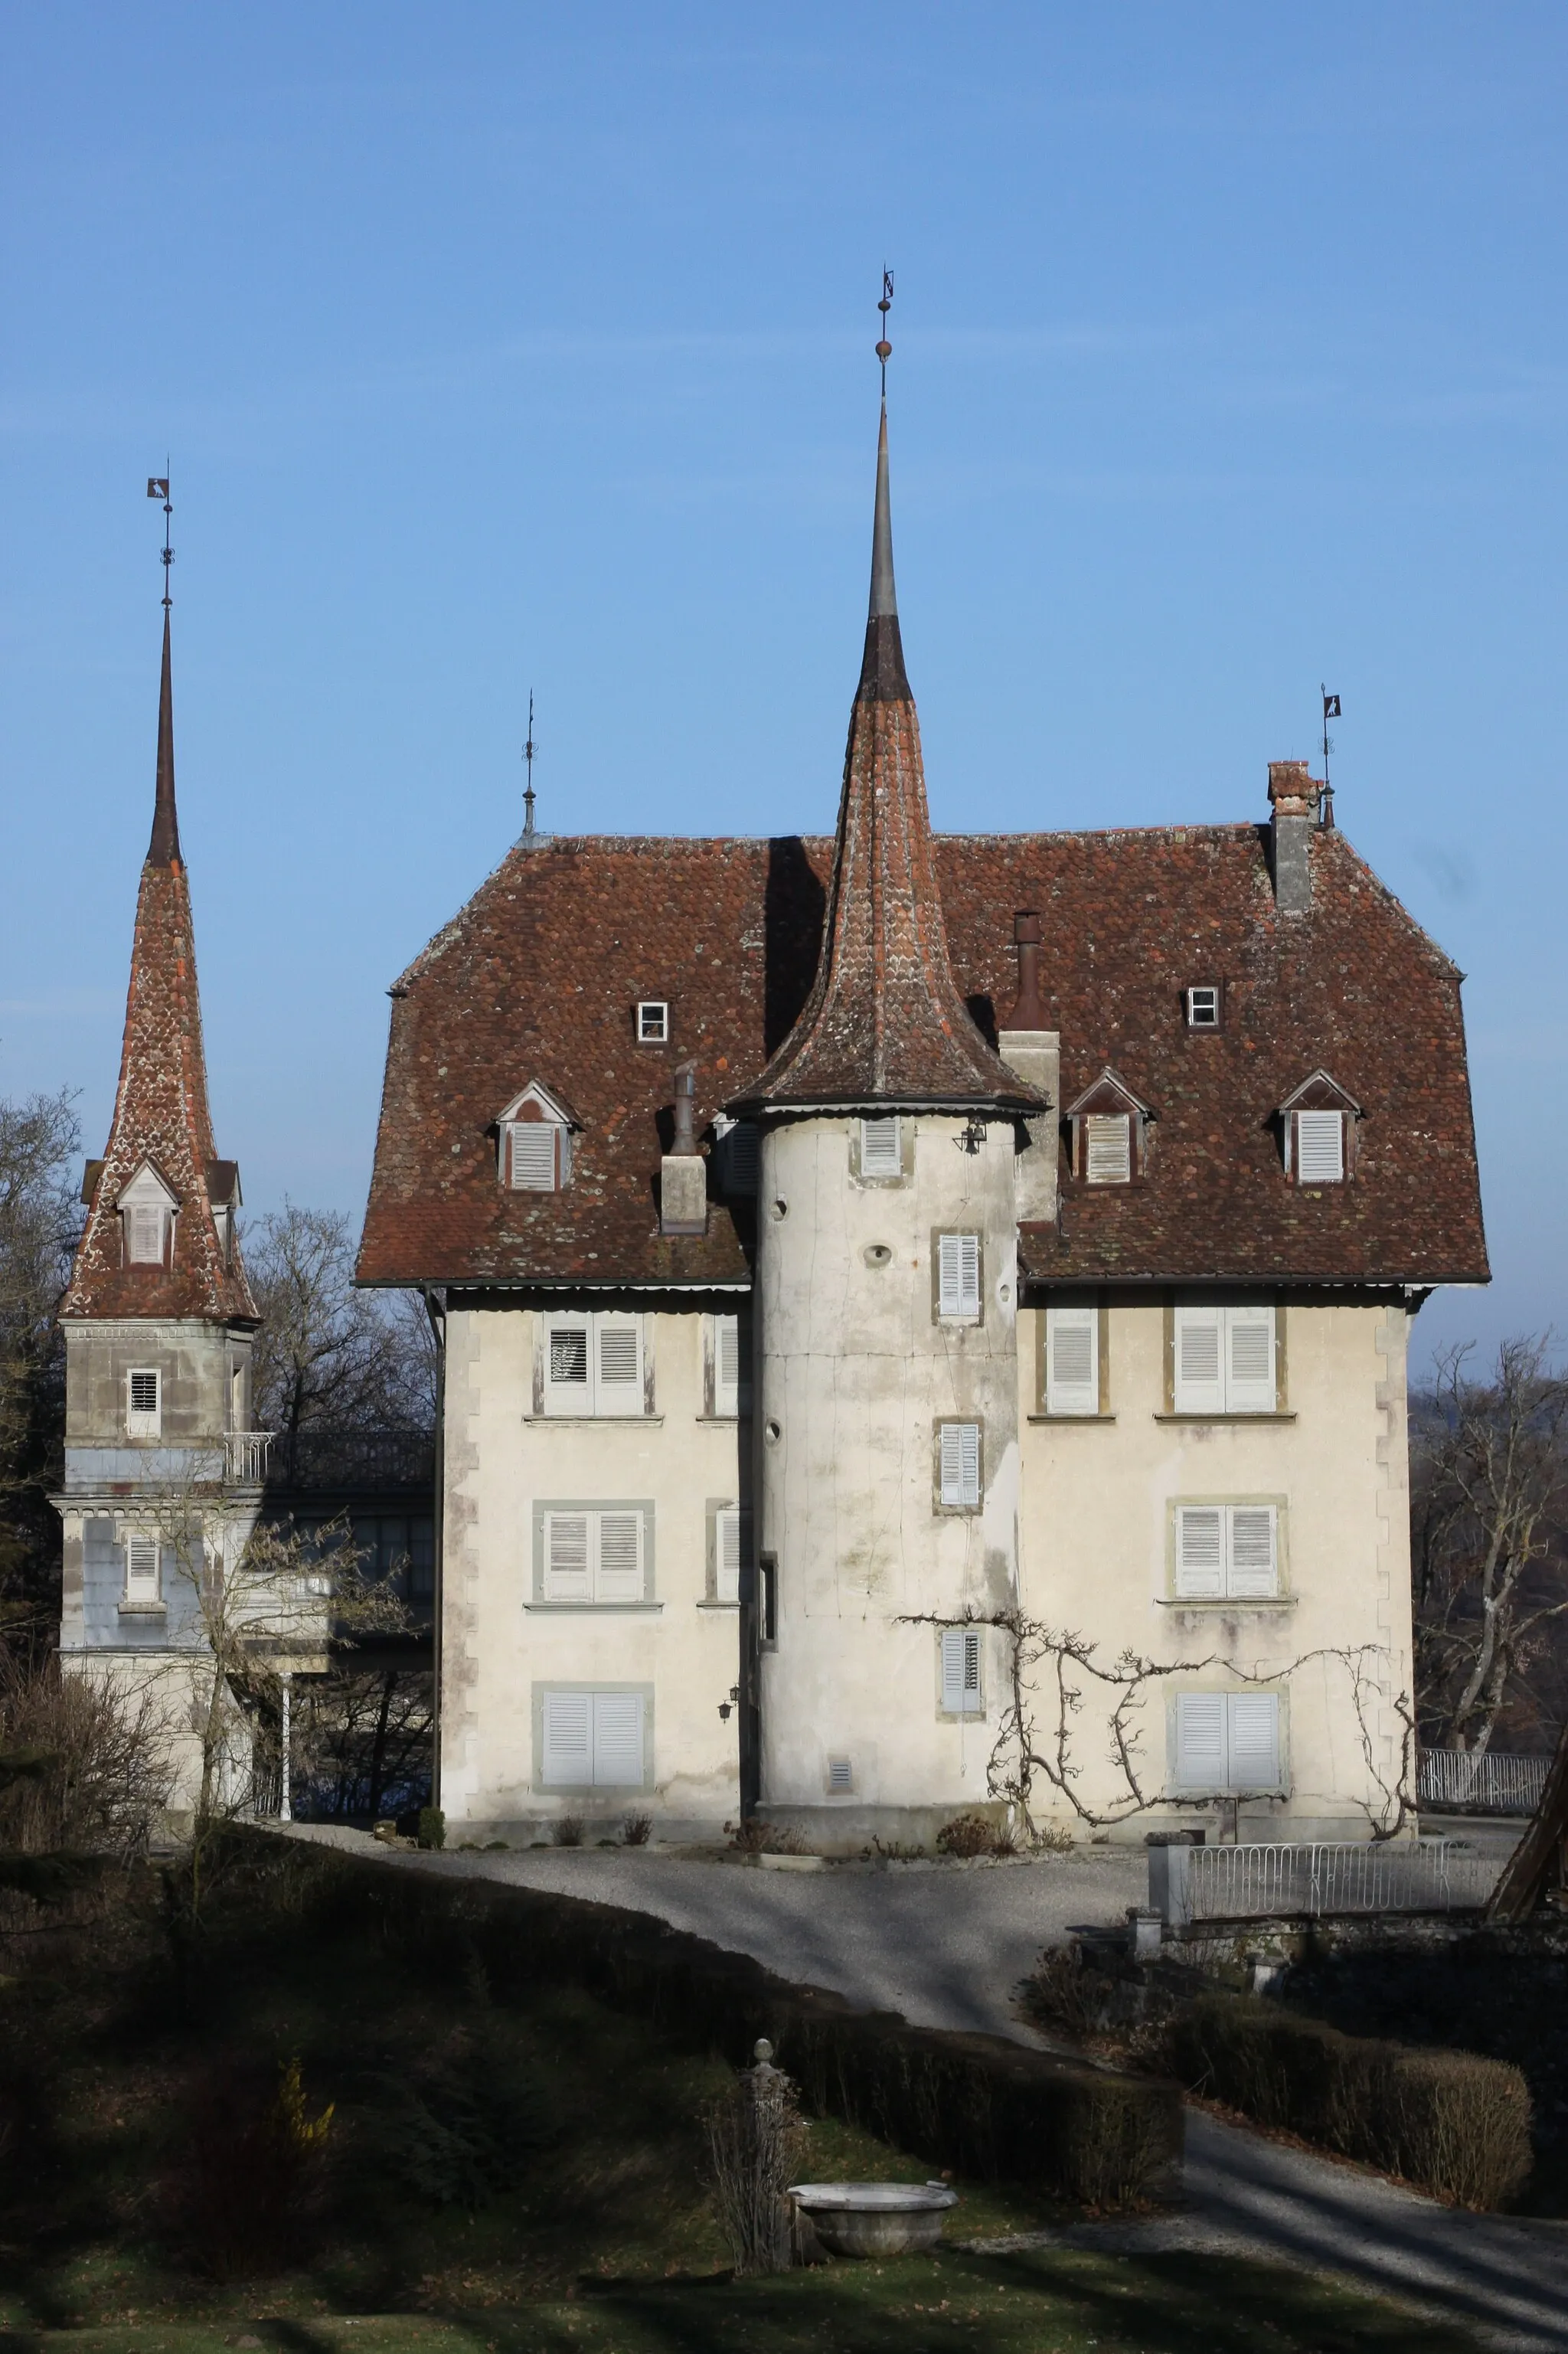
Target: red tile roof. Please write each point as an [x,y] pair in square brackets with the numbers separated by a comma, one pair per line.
[160,1114]
[539,976]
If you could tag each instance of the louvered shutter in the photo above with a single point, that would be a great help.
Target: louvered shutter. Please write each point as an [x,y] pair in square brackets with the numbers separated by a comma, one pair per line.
[144,1392]
[1107,1148]
[145,1234]
[742,1146]
[881,1153]
[1200,1360]
[1252,1567]
[143,1569]
[619,1564]
[532,1144]
[961,1670]
[1253,1726]
[1200,1741]
[618,1350]
[1072,1360]
[567,1572]
[1319,1148]
[568,1386]
[567,1743]
[957,1275]
[1249,1360]
[731,1546]
[618,1740]
[960,1463]
[726,1364]
[1200,1552]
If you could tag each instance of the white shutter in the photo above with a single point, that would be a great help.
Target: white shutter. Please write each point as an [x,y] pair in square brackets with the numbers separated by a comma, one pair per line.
[1073,1360]
[880,1148]
[568,1386]
[145,1234]
[618,1350]
[726,1364]
[1108,1156]
[1200,1360]
[533,1156]
[961,1670]
[960,1463]
[957,1275]
[567,1574]
[567,1743]
[618,1739]
[1249,1360]
[619,1564]
[1319,1148]
[1253,1572]
[1200,1552]
[1252,1724]
[731,1547]
[143,1580]
[1200,1741]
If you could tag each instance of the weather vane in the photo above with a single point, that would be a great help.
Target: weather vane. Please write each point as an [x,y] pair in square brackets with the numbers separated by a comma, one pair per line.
[528,788]
[1325,798]
[883,348]
[158,488]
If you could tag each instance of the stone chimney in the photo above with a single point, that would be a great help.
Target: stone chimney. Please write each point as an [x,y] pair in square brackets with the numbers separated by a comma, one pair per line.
[683,1171]
[1034,1051]
[1293,797]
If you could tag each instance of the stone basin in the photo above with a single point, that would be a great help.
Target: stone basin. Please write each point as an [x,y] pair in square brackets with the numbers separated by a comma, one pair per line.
[874,2219]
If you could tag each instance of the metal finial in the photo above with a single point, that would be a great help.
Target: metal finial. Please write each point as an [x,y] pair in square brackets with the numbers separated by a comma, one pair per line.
[1325,798]
[158,488]
[883,348]
[528,788]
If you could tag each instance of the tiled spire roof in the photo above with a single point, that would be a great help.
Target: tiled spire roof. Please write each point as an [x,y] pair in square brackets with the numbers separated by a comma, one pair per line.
[885,1023]
[160,1116]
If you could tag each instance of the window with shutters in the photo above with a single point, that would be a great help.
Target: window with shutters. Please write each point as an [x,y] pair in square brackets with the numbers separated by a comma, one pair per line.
[959,1661]
[592,1553]
[535,1135]
[958,1466]
[729,1552]
[1109,1131]
[728,1366]
[1226,1553]
[737,1154]
[882,1147]
[593,1363]
[594,1739]
[147,1220]
[1072,1342]
[1318,1124]
[1224,1359]
[958,1273]
[1226,1744]
[143,1569]
[143,1403]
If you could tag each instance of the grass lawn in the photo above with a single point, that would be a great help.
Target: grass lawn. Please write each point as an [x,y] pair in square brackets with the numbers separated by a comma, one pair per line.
[523,2174]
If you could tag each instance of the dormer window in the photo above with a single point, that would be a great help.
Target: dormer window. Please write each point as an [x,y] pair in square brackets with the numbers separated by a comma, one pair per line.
[1205,1006]
[1108,1130]
[1319,1123]
[738,1143]
[652,1022]
[536,1142]
[147,1208]
[223,1194]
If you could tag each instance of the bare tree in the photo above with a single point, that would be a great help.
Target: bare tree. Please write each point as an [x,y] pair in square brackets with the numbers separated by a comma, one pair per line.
[39,1222]
[362,1741]
[1489,1486]
[328,1357]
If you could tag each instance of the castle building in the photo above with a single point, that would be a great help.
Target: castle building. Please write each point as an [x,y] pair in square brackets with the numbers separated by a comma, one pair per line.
[163,1471]
[889,1284]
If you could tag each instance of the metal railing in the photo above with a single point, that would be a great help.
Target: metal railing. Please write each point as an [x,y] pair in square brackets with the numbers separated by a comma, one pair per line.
[349,1459]
[1484,1782]
[245,1457]
[1264,1883]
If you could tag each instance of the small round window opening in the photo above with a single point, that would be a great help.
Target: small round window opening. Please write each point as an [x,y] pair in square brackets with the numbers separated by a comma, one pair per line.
[652,1022]
[1203,1006]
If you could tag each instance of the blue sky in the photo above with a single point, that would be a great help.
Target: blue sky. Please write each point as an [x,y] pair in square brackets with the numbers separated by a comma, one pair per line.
[503,346]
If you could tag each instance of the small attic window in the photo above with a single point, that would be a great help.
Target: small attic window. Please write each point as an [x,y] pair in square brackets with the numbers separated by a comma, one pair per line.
[652,1022]
[1107,1148]
[1107,1126]
[1319,1123]
[1205,1006]
[146,1220]
[535,1135]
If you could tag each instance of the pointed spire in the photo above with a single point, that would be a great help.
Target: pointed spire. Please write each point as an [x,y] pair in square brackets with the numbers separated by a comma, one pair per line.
[164,850]
[884,1024]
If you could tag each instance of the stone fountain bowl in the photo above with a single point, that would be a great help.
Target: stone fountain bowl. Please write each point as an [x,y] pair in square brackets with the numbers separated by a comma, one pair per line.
[875,2219]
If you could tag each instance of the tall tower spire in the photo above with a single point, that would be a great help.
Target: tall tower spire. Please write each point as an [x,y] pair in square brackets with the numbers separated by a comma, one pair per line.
[884,1024]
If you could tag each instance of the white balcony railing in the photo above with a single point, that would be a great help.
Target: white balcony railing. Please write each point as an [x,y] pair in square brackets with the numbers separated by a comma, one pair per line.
[1263,1884]
[1486,1782]
[245,1457]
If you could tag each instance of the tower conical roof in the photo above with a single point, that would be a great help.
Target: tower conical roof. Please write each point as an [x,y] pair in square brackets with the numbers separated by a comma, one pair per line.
[160,1117]
[885,1024]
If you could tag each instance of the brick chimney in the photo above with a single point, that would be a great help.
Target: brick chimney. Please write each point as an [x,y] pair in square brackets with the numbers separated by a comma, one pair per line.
[1027,1045]
[1293,798]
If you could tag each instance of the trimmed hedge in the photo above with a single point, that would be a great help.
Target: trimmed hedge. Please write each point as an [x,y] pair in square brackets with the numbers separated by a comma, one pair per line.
[978,2103]
[1451,2121]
